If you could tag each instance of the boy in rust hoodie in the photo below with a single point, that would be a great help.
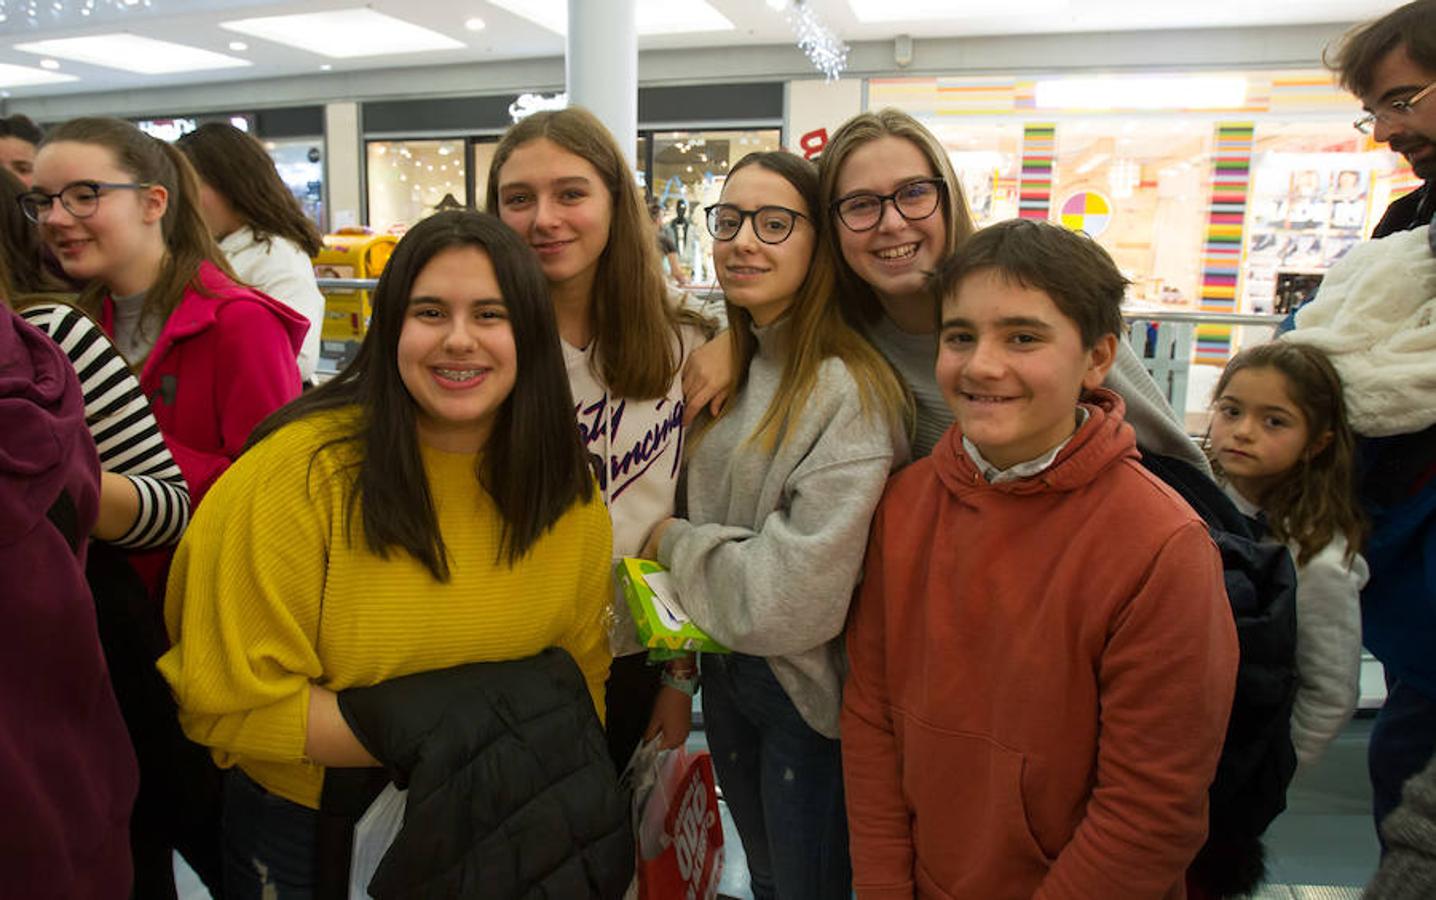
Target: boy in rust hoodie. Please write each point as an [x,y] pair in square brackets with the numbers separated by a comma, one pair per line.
[1042,654]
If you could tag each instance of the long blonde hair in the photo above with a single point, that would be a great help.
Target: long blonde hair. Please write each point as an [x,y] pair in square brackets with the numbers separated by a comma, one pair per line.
[187,240]
[635,328]
[817,329]
[856,297]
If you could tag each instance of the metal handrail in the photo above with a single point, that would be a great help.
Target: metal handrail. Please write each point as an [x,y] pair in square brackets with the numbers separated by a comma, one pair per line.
[1195,318]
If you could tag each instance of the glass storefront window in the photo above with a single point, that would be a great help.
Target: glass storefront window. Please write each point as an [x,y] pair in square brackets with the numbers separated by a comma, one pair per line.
[1317,190]
[987,159]
[300,163]
[409,180]
[1140,188]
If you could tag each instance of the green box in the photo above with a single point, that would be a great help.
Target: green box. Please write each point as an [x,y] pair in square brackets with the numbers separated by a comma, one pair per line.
[662,624]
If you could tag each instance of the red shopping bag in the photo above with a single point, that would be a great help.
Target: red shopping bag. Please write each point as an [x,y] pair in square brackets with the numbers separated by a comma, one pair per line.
[680,840]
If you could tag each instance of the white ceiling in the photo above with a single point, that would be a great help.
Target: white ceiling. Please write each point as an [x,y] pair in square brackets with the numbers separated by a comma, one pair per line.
[507,36]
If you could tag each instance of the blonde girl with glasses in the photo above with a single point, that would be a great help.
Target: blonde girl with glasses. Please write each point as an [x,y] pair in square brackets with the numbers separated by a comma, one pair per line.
[781,486]
[896,207]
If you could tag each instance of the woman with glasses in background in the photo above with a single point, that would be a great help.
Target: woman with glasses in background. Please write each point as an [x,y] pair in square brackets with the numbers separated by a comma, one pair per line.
[781,486]
[118,209]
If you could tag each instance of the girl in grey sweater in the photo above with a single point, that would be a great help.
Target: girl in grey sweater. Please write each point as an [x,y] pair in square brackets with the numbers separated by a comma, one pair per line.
[781,487]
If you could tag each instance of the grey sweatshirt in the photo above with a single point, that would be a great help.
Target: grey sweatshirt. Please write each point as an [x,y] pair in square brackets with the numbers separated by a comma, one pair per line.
[915,358]
[768,557]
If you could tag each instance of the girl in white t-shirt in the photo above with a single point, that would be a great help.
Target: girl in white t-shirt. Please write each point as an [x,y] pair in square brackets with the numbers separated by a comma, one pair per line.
[559,179]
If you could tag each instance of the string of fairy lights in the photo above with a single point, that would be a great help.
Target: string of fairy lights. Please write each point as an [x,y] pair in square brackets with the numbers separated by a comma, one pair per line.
[824,49]
[55,12]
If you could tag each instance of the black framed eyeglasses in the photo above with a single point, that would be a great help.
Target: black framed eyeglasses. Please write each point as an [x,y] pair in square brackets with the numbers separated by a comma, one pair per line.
[1394,109]
[771,224]
[914,200]
[81,199]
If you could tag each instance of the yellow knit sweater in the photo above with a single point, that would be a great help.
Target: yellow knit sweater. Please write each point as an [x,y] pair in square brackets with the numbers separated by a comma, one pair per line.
[266,596]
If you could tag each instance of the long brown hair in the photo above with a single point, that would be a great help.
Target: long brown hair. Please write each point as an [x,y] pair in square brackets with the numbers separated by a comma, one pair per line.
[533,465]
[1316,499]
[187,241]
[817,329]
[635,328]
[235,165]
[855,296]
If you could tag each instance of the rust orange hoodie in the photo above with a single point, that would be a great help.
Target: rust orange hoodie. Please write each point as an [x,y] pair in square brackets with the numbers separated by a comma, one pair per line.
[1041,674]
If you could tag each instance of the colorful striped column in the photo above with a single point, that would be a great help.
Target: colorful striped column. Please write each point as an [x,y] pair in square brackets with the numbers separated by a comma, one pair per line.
[1222,252]
[1034,191]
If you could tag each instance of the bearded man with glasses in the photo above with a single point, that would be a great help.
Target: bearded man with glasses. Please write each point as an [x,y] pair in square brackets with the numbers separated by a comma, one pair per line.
[1390,65]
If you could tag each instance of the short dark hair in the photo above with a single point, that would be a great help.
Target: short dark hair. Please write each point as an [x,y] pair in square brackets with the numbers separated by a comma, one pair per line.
[1355,57]
[18,126]
[534,466]
[1066,265]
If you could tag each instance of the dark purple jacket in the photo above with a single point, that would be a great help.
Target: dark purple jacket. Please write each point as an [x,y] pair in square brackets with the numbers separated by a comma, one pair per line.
[67,773]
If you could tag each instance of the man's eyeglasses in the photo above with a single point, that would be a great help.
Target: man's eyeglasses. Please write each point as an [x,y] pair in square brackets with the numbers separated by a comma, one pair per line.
[771,224]
[1395,109]
[913,201]
[81,199]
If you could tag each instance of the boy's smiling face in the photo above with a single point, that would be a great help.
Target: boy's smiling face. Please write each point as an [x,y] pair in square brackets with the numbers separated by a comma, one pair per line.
[1011,366]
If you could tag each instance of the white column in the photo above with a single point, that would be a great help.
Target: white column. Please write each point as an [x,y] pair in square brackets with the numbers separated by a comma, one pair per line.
[601,65]
[342,160]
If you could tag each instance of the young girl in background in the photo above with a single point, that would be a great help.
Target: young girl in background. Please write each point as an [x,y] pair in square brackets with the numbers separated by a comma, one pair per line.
[430,506]
[781,487]
[1280,444]
[559,179]
[265,236]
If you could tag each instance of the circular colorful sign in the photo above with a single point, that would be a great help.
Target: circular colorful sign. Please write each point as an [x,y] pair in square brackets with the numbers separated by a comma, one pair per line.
[1087,211]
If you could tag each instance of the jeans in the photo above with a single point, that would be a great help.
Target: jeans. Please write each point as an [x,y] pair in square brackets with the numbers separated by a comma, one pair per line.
[270,844]
[782,781]
[1402,742]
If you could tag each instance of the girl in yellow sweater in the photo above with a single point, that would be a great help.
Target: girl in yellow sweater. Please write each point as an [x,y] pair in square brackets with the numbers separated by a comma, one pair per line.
[430,506]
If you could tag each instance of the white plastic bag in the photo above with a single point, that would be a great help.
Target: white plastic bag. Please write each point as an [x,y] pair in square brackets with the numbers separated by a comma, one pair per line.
[373,834]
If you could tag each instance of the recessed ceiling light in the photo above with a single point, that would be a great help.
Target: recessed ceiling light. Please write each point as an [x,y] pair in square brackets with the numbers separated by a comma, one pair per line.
[914,10]
[653,16]
[51,64]
[132,53]
[325,67]
[24,76]
[474,24]
[238,46]
[345,33]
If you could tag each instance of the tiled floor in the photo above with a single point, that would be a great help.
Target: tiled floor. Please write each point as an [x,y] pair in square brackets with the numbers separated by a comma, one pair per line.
[1322,848]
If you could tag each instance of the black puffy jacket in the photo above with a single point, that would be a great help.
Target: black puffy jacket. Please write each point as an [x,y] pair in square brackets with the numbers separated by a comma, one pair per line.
[511,791]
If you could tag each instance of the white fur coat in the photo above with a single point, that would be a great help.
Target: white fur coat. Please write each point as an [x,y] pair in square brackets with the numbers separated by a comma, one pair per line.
[1375,316]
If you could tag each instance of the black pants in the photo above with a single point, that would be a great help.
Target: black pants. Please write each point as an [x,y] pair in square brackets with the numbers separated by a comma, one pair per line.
[631,690]
[178,806]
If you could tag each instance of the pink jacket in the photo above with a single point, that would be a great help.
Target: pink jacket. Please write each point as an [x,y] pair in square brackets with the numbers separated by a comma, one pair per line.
[224,360]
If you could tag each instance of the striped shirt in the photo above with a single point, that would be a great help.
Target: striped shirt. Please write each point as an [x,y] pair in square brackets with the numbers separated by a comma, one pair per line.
[124,429]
